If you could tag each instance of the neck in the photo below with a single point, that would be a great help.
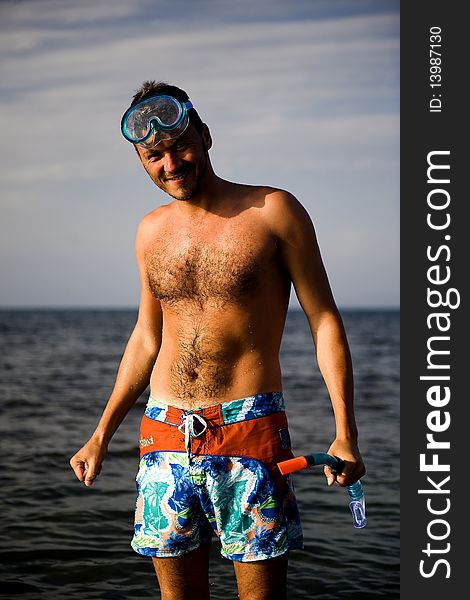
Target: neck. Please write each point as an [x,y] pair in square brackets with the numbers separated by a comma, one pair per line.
[211,195]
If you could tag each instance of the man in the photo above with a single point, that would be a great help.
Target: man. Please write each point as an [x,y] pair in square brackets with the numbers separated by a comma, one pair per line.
[216,267]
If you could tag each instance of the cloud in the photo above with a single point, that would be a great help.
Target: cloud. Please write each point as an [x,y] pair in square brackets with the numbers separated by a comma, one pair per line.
[292,93]
[287,80]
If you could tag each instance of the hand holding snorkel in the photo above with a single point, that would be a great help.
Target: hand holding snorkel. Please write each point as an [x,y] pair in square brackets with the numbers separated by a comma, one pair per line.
[335,465]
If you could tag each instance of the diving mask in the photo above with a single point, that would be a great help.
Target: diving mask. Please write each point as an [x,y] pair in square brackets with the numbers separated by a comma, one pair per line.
[155,119]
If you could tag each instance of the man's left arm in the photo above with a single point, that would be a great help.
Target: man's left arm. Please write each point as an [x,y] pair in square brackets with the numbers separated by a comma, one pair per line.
[301,257]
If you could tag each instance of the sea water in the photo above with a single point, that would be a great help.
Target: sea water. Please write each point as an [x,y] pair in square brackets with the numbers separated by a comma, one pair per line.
[62,541]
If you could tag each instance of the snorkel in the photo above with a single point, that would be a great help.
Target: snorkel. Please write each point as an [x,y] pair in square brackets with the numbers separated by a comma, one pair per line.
[357,503]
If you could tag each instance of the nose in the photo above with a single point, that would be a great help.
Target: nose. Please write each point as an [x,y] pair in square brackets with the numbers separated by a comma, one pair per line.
[170,162]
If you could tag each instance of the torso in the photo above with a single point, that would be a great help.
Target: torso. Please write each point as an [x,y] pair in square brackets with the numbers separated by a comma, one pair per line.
[223,270]
[224,296]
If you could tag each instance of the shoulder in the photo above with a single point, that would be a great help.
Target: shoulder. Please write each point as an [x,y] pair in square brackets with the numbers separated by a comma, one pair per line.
[278,200]
[151,226]
[285,214]
[155,217]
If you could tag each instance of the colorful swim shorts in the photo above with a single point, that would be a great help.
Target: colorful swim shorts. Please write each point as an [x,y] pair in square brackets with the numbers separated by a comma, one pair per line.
[214,470]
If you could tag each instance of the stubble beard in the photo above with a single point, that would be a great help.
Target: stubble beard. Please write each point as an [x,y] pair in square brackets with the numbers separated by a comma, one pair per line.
[188,191]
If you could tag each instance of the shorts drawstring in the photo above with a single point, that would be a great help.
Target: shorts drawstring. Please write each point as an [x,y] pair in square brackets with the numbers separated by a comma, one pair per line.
[187,427]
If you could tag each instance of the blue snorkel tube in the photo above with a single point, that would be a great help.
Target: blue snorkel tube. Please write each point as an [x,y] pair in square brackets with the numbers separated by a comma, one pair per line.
[357,502]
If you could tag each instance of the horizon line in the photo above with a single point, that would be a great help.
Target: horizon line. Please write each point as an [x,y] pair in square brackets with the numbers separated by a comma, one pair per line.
[136,307]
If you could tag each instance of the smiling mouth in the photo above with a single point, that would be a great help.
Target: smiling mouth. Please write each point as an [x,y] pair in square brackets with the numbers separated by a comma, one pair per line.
[177,177]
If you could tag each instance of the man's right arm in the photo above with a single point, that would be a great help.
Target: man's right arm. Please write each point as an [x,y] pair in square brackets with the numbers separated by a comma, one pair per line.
[133,374]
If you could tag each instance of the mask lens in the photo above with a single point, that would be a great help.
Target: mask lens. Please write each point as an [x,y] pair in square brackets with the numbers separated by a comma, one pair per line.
[154,115]
[168,113]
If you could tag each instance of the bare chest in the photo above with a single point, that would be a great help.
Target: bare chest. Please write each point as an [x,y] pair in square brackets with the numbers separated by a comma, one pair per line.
[226,268]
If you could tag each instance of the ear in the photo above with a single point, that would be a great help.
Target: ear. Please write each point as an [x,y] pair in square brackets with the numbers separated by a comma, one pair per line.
[206,137]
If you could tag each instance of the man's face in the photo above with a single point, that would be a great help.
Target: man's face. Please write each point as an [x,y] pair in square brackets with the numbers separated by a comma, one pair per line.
[177,166]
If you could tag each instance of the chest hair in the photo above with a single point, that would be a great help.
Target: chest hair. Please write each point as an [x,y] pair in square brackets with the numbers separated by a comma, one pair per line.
[202,273]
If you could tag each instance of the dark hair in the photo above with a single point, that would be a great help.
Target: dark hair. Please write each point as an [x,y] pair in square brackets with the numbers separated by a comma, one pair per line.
[160,88]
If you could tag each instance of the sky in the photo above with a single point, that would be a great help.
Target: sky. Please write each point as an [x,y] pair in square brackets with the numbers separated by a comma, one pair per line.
[300,95]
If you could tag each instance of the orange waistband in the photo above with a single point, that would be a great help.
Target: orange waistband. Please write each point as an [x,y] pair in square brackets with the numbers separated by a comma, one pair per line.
[263,438]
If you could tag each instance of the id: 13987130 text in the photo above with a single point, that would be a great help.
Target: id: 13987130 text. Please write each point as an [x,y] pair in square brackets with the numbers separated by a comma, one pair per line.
[435,69]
